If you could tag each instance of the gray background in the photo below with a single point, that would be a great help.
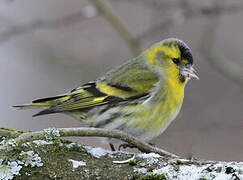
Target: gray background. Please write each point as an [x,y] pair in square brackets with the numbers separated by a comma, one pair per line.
[51,60]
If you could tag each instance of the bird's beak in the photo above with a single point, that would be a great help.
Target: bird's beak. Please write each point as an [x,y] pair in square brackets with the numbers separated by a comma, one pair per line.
[189,72]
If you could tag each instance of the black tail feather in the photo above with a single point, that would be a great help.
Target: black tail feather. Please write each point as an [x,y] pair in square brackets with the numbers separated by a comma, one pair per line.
[48,99]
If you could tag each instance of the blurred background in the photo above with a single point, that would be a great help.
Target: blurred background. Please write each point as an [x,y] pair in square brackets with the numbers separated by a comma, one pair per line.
[50,47]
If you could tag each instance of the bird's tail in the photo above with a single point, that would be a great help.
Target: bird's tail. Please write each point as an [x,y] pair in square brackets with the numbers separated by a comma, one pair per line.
[43,103]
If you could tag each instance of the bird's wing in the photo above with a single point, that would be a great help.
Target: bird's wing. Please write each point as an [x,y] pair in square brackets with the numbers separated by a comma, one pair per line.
[130,79]
[126,83]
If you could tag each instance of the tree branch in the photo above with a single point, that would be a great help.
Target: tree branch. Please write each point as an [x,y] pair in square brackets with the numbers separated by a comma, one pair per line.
[23,157]
[98,132]
[16,30]
[227,67]
[41,159]
[118,25]
[188,11]
[12,133]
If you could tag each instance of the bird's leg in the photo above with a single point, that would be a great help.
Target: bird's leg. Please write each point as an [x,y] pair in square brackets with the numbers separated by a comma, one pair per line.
[151,144]
[112,147]
[125,145]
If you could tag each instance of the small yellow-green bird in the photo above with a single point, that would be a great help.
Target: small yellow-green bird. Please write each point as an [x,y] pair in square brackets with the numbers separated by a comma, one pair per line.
[141,97]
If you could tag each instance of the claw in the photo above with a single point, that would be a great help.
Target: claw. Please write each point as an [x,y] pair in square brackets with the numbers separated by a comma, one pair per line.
[125,145]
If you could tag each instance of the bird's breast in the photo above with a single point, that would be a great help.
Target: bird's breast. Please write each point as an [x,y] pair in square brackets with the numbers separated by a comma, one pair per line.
[159,111]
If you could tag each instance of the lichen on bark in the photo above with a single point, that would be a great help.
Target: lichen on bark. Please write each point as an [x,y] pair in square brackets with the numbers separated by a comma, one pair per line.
[55,158]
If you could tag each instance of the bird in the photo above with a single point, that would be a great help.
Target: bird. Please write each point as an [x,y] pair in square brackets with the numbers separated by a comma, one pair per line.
[140,97]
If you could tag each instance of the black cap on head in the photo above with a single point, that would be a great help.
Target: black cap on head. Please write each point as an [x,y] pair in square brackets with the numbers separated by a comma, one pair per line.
[185,51]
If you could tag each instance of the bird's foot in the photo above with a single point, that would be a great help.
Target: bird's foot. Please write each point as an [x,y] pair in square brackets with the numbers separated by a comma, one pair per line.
[112,147]
[125,145]
[151,144]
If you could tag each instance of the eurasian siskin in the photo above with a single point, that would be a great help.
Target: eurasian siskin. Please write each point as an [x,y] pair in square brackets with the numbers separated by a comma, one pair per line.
[141,97]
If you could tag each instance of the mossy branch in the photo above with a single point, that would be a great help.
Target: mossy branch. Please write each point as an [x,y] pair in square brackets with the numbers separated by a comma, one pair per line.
[98,132]
[11,133]
[42,159]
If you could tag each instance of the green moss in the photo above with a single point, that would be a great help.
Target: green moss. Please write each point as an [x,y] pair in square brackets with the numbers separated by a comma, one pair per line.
[135,176]
[154,177]
[179,162]
[11,130]
[150,169]
[56,163]
[219,169]
[132,163]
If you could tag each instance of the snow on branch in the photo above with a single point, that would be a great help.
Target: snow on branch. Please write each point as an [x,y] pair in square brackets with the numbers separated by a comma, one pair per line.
[32,153]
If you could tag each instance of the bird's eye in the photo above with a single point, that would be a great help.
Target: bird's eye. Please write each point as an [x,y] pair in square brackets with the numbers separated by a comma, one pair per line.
[175,60]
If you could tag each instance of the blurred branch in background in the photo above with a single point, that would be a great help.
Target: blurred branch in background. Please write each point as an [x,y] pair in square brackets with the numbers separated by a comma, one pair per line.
[86,13]
[17,30]
[155,4]
[187,10]
[226,66]
[198,9]
[107,12]
[184,11]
